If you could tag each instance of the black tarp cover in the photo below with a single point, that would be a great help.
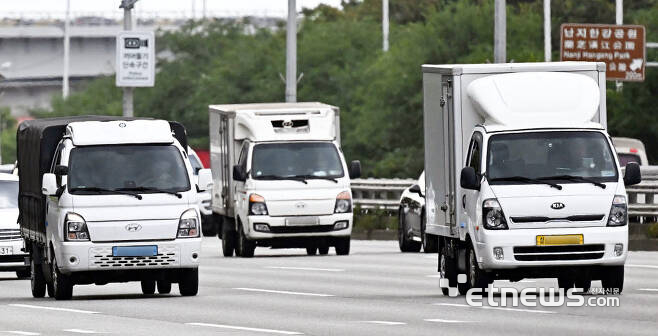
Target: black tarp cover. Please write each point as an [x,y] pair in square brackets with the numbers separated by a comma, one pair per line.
[36,141]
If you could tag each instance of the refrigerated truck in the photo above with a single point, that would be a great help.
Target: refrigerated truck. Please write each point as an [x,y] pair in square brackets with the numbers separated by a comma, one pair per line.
[106,200]
[521,176]
[280,178]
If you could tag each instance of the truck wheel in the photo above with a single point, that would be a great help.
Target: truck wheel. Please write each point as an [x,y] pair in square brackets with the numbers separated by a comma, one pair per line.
[50,289]
[613,279]
[406,243]
[208,226]
[323,250]
[477,278]
[24,273]
[585,284]
[447,269]
[62,285]
[311,250]
[245,247]
[228,239]
[37,280]
[164,287]
[148,287]
[430,242]
[342,246]
[565,282]
[189,282]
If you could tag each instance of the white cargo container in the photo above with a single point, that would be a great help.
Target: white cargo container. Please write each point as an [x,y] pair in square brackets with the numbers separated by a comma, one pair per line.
[280,177]
[521,176]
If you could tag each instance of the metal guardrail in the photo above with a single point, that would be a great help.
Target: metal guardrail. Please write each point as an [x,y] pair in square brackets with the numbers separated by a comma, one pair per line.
[385,193]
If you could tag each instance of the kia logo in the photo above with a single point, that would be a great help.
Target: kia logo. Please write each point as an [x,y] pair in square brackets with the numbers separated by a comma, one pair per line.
[300,205]
[133,227]
[557,206]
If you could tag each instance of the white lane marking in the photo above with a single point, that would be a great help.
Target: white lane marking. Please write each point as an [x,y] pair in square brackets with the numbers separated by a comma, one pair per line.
[83,331]
[642,266]
[224,326]
[496,308]
[280,292]
[433,276]
[307,269]
[384,322]
[54,308]
[648,289]
[18,332]
[446,321]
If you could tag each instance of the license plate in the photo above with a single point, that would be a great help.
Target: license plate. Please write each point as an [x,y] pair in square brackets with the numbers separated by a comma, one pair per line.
[135,251]
[6,250]
[302,220]
[576,239]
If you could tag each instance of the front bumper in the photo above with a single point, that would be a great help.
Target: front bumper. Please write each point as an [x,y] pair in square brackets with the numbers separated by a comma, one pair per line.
[90,256]
[598,248]
[18,260]
[279,228]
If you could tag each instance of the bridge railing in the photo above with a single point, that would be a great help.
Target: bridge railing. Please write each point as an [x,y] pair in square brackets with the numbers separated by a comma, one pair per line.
[641,197]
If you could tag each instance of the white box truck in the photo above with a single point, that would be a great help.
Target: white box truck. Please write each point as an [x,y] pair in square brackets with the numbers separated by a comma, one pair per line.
[280,178]
[521,177]
[108,200]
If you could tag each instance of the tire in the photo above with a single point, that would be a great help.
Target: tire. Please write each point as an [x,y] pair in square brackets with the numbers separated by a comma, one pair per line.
[405,242]
[565,282]
[37,280]
[246,247]
[189,282]
[208,226]
[323,250]
[311,250]
[430,242]
[164,287]
[62,285]
[228,239]
[50,290]
[612,279]
[447,269]
[585,284]
[24,274]
[342,246]
[148,287]
[476,277]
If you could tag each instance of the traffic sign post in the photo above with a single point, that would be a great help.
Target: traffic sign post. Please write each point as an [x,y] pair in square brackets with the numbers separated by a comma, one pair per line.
[135,59]
[621,47]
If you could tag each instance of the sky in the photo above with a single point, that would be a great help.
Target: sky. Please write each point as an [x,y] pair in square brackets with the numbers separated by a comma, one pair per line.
[178,8]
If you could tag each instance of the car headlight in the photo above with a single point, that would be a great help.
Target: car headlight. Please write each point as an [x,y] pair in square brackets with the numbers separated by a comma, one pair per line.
[75,228]
[188,225]
[343,202]
[257,205]
[493,217]
[618,212]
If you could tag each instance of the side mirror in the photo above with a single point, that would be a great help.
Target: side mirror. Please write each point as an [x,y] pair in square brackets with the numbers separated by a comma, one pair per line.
[61,170]
[205,181]
[239,174]
[632,175]
[49,185]
[355,169]
[469,179]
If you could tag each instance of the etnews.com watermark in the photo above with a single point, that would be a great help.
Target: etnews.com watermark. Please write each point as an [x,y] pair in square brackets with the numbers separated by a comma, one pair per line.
[533,297]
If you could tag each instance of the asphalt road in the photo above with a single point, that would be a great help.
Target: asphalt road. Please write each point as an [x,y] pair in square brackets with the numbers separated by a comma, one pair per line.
[374,291]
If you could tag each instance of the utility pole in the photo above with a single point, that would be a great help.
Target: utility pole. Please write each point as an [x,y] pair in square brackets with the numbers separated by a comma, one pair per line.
[65,74]
[385,25]
[291,53]
[204,8]
[127,6]
[619,4]
[547,30]
[500,32]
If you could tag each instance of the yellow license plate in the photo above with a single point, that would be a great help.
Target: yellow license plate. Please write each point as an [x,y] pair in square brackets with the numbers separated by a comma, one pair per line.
[576,239]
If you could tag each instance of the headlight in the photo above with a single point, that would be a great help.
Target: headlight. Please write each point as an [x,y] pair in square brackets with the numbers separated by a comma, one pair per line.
[618,212]
[75,228]
[188,225]
[257,205]
[343,203]
[493,217]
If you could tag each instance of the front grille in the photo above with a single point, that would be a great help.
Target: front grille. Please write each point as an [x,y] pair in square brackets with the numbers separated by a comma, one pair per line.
[574,218]
[10,234]
[556,253]
[301,229]
[101,257]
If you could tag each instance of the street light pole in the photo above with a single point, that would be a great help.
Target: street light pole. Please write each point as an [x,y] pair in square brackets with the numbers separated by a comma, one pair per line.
[547,30]
[127,6]
[385,25]
[291,53]
[500,32]
[65,74]
[619,6]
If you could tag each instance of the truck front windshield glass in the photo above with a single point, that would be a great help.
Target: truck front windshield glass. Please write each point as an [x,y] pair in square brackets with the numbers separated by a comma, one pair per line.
[562,157]
[127,167]
[299,159]
[8,194]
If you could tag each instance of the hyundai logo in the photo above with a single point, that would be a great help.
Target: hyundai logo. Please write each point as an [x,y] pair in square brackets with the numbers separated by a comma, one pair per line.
[122,125]
[557,206]
[300,205]
[133,227]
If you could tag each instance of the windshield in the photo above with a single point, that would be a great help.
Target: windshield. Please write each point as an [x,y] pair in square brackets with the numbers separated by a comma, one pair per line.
[542,155]
[299,159]
[8,194]
[127,167]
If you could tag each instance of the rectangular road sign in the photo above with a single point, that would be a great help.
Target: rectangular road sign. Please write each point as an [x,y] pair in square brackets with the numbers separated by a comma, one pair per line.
[622,48]
[135,59]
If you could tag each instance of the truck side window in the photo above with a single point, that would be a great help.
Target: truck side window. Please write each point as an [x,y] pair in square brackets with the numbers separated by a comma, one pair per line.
[475,153]
[242,161]
[56,159]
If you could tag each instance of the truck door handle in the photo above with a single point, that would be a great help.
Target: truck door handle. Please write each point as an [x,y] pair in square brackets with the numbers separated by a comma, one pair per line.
[444,207]
[464,201]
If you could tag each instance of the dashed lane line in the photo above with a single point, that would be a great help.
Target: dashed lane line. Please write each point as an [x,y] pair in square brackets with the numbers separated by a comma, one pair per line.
[446,321]
[69,310]
[306,269]
[83,331]
[19,332]
[281,292]
[388,323]
[232,327]
[496,308]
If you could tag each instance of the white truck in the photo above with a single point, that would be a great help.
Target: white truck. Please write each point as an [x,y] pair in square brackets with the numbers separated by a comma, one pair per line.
[280,178]
[106,200]
[521,176]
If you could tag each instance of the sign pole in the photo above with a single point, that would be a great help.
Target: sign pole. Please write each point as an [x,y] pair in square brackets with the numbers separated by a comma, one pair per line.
[67,33]
[291,53]
[127,91]
[385,25]
[619,4]
[500,32]
[547,30]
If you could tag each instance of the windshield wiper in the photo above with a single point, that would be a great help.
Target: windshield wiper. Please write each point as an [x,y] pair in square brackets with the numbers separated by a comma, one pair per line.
[315,177]
[526,180]
[574,178]
[157,190]
[111,191]
[281,178]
